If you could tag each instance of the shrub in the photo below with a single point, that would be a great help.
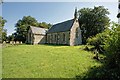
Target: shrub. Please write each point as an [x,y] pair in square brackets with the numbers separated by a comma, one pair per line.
[112,47]
[99,40]
[110,69]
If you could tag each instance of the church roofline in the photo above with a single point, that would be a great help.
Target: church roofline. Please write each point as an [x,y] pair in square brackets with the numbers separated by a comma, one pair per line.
[62,26]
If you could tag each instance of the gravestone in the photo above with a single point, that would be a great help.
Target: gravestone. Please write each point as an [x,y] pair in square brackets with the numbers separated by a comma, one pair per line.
[20,42]
[17,42]
[14,42]
[11,42]
[4,42]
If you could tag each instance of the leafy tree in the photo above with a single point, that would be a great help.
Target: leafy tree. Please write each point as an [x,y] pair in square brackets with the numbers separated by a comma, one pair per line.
[2,30]
[110,68]
[112,47]
[2,22]
[93,21]
[4,35]
[10,38]
[98,41]
[22,27]
[44,25]
[111,65]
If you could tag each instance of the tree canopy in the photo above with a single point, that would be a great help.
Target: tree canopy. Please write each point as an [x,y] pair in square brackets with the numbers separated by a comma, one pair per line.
[93,21]
[23,24]
[2,30]
[112,47]
[110,39]
[2,22]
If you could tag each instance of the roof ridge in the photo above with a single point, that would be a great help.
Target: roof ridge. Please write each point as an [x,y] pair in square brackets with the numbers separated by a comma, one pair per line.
[63,21]
[62,26]
[38,30]
[37,27]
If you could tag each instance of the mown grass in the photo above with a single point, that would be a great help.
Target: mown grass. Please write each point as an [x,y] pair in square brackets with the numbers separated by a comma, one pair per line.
[44,61]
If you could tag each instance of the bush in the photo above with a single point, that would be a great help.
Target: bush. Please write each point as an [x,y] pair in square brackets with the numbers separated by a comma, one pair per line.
[112,47]
[99,40]
[110,39]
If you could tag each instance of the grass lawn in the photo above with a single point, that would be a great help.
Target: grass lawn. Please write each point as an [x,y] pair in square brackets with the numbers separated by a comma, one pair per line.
[43,61]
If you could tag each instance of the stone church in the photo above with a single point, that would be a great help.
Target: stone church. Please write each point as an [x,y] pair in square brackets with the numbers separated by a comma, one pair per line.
[66,33]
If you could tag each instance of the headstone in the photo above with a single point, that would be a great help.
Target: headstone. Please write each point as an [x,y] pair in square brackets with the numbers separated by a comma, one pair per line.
[11,42]
[20,42]
[17,42]
[4,42]
[14,42]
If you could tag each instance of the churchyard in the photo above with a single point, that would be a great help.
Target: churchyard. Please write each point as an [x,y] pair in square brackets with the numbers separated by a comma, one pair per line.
[46,61]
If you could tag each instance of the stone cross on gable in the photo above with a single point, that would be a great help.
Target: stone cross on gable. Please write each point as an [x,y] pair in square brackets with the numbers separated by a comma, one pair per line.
[76,14]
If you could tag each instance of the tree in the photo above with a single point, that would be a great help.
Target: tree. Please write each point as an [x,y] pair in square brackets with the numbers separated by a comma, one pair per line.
[93,21]
[111,63]
[4,34]
[2,30]
[112,47]
[110,68]
[44,25]
[2,22]
[10,38]
[98,41]
[22,27]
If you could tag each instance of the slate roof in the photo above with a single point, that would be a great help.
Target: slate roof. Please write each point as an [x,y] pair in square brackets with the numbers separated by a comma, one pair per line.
[38,30]
[61,27]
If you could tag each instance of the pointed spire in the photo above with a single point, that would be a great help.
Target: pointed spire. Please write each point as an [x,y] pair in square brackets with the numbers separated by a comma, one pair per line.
[75,14]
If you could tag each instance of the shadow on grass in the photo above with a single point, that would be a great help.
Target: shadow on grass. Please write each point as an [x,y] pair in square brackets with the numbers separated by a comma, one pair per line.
[94,73]
[56,44]
[100,73]
[50,44]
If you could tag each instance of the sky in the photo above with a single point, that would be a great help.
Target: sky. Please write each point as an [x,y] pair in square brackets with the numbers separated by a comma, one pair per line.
[50,12]
[61,0]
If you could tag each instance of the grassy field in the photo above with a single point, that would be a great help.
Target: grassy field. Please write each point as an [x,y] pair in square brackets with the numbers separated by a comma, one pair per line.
[45,61]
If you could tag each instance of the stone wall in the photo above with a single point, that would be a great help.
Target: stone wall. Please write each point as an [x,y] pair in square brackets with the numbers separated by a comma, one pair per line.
[72,37]
[75,30]
[35,38]
[78,40]
[39,39]
[30,37]
[58,38]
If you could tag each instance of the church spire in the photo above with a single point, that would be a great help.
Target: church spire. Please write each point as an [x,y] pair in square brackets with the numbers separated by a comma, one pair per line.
[75,14]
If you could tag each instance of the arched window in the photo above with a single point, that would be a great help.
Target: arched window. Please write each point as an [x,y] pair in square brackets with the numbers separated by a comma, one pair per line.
[77,33]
